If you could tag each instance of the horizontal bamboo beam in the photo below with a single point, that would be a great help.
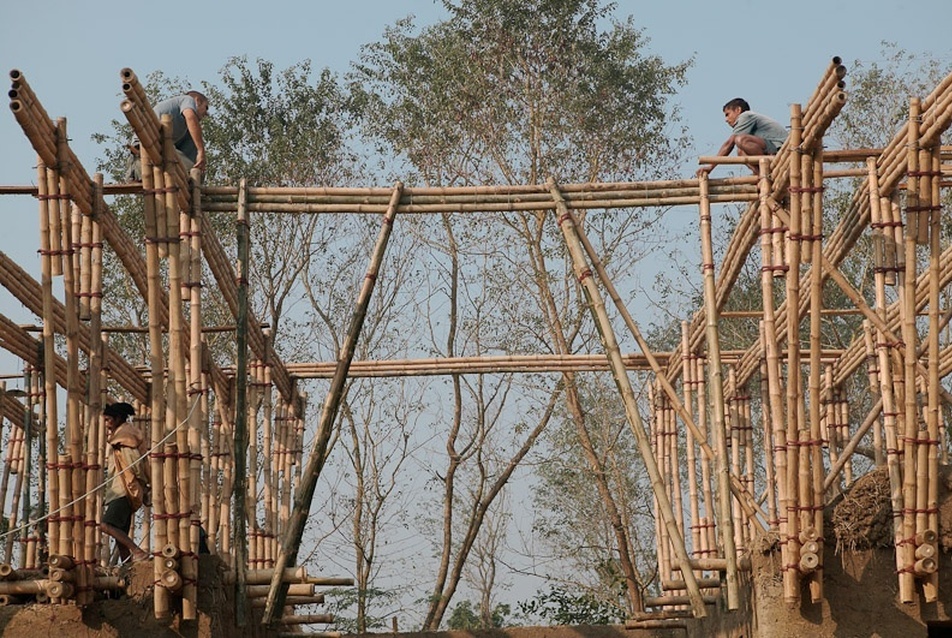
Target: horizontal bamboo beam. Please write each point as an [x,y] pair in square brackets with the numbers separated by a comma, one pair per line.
[496,364]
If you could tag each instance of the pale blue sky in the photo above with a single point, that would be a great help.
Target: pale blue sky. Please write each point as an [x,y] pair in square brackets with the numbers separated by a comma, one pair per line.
[765,51]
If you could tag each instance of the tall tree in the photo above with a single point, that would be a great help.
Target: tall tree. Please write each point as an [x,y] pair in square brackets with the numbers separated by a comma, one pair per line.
[506,91]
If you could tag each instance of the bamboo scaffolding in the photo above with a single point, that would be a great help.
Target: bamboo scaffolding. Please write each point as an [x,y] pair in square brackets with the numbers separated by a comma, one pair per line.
[899,372]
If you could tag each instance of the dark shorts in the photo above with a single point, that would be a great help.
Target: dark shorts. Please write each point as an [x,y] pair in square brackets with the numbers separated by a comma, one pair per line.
[119,514]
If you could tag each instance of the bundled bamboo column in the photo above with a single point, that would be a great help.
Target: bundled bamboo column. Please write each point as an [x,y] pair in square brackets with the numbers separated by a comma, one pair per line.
[815,164]
[733,422]
[928,462]
[48,191]
[688,384]
[767,438]
[269,475]
[656,434]
[671,430]
[906,544]
[157,364]
[197,414]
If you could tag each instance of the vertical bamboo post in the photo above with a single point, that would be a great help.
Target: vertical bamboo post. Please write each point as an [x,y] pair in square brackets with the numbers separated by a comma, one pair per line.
[748,441]
[875,385]
[597,307]
[709,522]
[47,188]
[656,434]
[241,411]
[305,493]
[929,475]
[734,433]
[687,382]
[269,474]
[816,367]
[671,427]
[176,388]
[911,340]
[717,393]
[767,437]
[31,381]
[797,476]
[157,408]
[197,415]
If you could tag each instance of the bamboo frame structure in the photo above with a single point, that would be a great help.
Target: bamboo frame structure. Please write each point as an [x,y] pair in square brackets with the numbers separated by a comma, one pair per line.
[712,504]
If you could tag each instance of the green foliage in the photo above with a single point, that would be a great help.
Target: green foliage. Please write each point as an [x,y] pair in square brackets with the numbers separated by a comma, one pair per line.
[508,91]
[561,607]
[341,602]
[466,616]
[277,128]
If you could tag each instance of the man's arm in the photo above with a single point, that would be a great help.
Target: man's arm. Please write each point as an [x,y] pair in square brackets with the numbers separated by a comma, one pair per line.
[195,130]
[725,149]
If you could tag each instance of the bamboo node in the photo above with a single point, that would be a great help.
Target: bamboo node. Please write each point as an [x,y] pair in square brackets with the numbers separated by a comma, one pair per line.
[806,189]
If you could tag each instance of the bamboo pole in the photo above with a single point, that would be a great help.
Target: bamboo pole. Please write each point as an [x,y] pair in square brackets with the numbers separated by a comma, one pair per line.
[905,544]
[155,299]
[816,369]
[717,394]
[597,307]
[767,437]
[49,189]
[929,458]
[241,413]
[305,493]
[687,383]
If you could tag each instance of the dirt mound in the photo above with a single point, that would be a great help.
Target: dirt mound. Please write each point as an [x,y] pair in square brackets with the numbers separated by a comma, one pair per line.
[863,519]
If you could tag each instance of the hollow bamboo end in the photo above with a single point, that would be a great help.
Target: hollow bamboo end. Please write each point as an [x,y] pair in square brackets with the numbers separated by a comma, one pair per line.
[15,74]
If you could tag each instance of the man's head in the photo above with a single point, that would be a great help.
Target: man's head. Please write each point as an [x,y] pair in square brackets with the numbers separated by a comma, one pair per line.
[115,414]
[201,102]
[733,109]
